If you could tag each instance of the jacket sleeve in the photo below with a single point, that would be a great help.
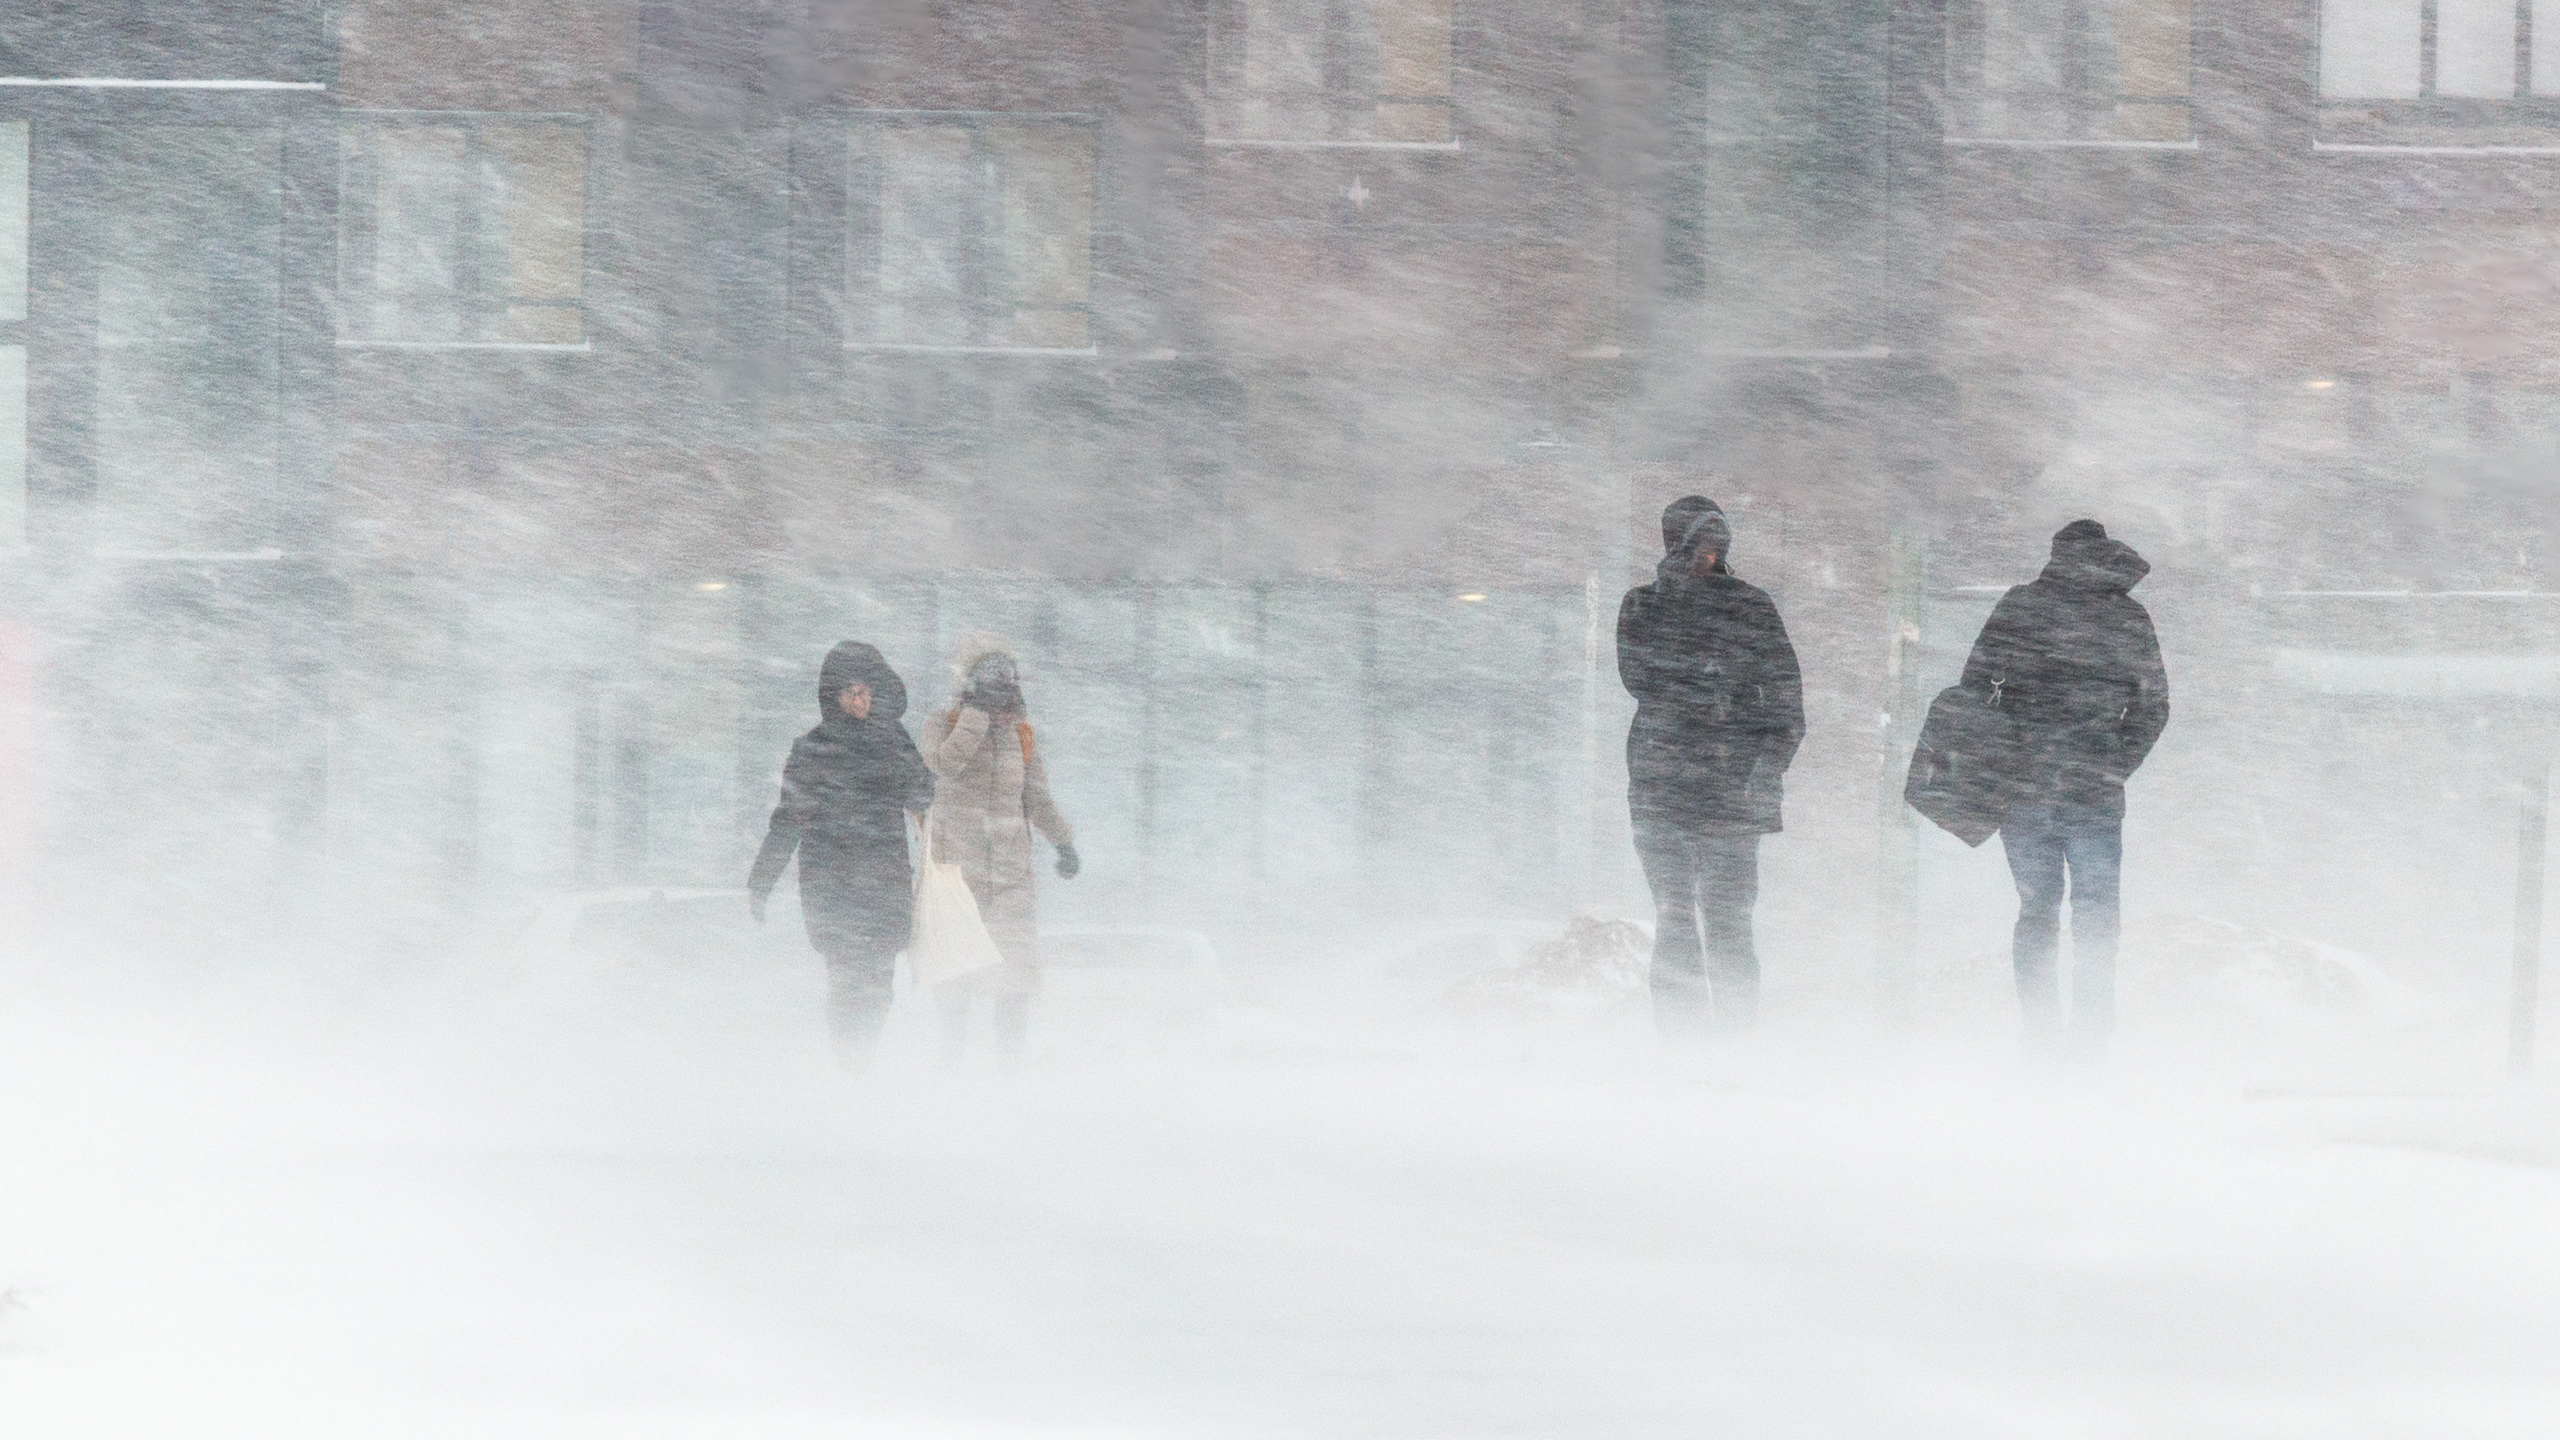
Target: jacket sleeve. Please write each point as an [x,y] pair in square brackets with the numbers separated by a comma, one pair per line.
[1037,804]
[916,783]
[2148,715]
[951,746]
[1781,692]
[791,817]
[1636,669]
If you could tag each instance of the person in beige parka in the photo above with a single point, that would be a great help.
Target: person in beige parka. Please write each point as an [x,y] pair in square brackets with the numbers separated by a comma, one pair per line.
[992,790]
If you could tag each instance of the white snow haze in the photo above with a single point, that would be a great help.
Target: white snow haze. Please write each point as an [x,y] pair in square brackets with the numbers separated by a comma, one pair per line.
[442,442]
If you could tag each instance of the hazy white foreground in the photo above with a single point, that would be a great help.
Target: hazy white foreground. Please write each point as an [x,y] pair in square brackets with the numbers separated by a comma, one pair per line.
[608,1208]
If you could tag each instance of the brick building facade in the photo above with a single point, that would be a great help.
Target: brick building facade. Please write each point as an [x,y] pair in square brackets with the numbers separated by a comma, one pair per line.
[450,431]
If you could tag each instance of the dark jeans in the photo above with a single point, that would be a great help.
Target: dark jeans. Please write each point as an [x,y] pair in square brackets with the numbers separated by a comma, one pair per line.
[2050,854]
[1706,970]
[859,972]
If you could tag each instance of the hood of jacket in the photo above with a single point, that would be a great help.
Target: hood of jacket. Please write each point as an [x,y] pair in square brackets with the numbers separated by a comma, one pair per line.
[977,645]
[1691,524]
[976,648]
[854,663]
[2083,557]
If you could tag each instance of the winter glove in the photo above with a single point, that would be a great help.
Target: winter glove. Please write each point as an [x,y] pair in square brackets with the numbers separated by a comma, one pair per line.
[755,905]
[1068,864]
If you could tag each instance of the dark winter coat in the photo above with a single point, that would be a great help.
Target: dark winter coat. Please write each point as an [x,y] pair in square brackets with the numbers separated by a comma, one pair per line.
[1719,701]
[2075,664]
[846,791]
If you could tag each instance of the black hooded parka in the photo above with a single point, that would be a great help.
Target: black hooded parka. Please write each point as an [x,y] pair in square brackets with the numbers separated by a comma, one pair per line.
[846,791]
[1719,696]
[2075,663]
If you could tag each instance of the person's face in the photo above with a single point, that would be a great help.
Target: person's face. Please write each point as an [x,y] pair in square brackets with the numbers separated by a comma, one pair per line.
[855,700]
[1704,562]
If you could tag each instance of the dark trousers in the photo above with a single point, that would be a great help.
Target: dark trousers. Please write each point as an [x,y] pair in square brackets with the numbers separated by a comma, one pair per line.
[2050,856]
[1706,970]
[859,976]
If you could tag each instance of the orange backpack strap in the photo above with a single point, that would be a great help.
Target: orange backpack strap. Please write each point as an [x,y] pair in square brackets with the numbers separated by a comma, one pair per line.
[1024,729]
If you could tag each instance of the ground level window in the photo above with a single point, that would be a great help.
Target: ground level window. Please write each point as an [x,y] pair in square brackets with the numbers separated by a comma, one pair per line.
[13,343]
[462,230]
[969,233]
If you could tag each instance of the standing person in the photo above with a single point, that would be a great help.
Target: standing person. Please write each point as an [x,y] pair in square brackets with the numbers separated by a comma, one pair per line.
[2073,660]
[846,792]
[994,790]
[1719,713]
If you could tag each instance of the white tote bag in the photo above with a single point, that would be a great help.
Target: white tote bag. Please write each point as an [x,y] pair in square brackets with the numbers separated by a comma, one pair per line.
[950,938]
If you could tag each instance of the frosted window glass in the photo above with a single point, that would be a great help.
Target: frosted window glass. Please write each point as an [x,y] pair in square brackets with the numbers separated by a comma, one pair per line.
[526,800]
[967,235]
[1390,61]
[2021,48]
[464,234]
[928,215]
[417,254]
[13,446]
[189,239]
[1284,46]
[2149,38]
[2476,48]
[1280,44]
[1413,70]
[13,220]
[544,176]
[2369,49]
[1048,231]
[2546,54]
[2076,70]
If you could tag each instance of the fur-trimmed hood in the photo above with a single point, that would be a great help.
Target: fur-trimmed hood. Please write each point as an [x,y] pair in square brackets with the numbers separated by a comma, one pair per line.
[977,645]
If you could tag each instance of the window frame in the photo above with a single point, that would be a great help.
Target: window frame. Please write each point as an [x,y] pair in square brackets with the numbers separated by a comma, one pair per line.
[2429,114]
[476,222]
[1967,39]
[843,127]
[1337,110]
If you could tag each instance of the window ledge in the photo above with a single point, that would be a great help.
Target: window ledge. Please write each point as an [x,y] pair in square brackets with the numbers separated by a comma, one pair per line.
[1863,352]
[2327,147]
[191,557]
[527,346]
[1990,142]
[1232,142]
[1051,351]
[108,82]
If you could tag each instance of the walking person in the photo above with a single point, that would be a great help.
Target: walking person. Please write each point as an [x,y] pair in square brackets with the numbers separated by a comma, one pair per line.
[994,790]
[1719,714]
[846,792]
[2072,659]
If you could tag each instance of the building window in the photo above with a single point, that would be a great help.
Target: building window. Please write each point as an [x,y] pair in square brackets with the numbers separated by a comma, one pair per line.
[462,230]
[188,407]
[1339,72]
[2458,72]
[966,233]
[13,334]
[2069,71]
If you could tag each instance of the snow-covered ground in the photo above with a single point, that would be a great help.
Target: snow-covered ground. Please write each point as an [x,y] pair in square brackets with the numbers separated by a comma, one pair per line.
[654,1209]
